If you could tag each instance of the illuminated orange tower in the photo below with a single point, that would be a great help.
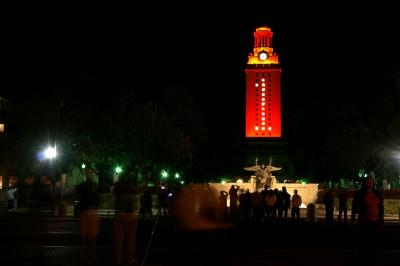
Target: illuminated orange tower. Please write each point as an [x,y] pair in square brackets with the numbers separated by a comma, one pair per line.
[263,88]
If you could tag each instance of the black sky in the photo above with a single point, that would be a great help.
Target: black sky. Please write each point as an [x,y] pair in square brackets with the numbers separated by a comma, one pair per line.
[330,55]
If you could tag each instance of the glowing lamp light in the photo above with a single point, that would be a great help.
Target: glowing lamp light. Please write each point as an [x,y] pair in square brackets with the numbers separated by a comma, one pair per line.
[223,182]
[1,127]
[50,153]
[83,166]
[239,181]
[269,128]
[256,128]
[118,169]
[164,174]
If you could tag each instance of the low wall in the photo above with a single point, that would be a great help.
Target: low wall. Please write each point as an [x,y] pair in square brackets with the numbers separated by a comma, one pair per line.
[308,192]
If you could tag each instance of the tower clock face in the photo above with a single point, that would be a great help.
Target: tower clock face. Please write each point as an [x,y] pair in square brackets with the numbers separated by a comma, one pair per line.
[263,56]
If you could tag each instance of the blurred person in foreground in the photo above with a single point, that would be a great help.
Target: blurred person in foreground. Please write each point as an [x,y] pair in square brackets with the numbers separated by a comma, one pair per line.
[368,206]
[89,220]
[125,221]
[197,214]
[209,212]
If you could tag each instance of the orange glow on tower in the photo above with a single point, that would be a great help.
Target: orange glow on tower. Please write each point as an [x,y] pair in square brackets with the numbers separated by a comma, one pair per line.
[263,88]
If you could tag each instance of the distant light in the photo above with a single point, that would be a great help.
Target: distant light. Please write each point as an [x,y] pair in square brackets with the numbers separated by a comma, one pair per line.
[177,175]
[223,182]
[164,174]
[303,182]
[118,169]
[83,166]
[240,181]
[50,153]
[182,182]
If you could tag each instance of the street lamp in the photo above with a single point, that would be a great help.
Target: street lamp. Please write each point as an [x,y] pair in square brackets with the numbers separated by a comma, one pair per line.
[117,171]
[164,174]
[51,153]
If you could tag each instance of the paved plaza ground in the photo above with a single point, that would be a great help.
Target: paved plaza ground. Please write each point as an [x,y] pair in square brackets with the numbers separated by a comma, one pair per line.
[33,237]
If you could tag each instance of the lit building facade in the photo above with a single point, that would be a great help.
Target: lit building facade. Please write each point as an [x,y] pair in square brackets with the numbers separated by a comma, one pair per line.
[263,88]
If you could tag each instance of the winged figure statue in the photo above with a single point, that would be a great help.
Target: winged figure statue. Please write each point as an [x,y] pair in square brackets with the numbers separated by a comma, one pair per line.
[264,174]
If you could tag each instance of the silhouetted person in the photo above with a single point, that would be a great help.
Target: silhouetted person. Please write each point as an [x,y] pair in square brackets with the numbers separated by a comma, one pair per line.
[233,198]
[368,206]
[257,202]
[125,221]
[89,220]
[329,206]
[223,197]
[296,203]
[11,197]
[270,201]
[146,204]
[247,205]
[343,196]
[284,205]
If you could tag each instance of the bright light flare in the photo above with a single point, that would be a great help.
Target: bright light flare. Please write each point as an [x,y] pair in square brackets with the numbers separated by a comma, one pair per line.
[50,153]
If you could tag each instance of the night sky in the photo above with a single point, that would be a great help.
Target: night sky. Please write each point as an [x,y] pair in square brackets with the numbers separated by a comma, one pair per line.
[331,56]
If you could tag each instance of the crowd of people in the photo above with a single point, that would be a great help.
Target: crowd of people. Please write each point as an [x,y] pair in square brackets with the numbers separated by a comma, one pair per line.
[215,208]
[269,205]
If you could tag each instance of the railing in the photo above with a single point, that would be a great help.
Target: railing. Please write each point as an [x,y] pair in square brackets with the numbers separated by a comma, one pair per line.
[106,213]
